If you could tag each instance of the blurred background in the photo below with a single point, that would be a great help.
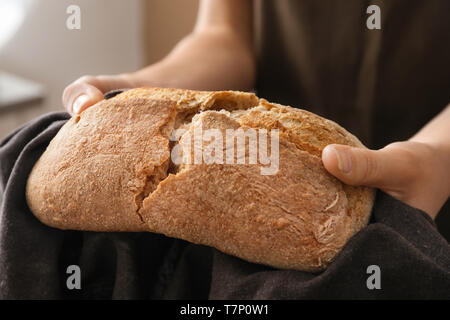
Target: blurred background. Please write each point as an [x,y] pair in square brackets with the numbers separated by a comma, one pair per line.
[40,56]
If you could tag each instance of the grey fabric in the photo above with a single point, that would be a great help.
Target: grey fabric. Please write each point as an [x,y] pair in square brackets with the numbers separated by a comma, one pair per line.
[404,242]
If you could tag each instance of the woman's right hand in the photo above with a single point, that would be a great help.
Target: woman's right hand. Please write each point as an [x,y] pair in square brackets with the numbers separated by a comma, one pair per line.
[88,90]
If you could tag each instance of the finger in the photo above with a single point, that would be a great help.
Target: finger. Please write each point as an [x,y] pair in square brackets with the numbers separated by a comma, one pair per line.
[385,168]
[79,96]
[88,90]
[91,96]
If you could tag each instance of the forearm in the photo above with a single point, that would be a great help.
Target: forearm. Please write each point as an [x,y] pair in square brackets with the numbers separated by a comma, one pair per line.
[437,131]
[217,55]
[214,59]
[436,134]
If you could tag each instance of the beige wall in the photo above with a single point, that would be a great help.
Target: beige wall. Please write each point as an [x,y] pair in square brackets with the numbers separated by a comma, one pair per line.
[116,36]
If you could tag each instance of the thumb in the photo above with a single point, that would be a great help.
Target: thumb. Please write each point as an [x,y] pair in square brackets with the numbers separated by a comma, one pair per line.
[358,166]
[88,96]
[80,95]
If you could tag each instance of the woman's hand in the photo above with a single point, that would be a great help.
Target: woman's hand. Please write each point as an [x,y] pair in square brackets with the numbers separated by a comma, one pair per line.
[88,90]
[417,173]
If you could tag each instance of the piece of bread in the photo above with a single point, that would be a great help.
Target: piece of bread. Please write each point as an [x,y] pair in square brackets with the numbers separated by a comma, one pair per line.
[111,169]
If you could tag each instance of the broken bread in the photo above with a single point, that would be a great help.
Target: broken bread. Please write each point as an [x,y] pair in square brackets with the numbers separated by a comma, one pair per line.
[134,163]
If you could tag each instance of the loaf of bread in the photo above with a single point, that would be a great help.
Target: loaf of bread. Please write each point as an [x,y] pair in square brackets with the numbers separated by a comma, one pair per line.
[116,167]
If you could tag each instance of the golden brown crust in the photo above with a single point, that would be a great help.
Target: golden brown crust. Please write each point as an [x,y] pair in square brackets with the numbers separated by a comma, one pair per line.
[110,170]
[95,170]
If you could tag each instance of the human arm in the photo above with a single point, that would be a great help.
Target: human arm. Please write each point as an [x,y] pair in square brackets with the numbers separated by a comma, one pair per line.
[216,55]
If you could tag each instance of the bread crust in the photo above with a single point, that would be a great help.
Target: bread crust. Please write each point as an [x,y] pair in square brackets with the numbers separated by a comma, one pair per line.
[110,169]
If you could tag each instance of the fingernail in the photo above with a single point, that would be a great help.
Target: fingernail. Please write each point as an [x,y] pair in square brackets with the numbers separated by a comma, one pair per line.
[79,102]
[344,160]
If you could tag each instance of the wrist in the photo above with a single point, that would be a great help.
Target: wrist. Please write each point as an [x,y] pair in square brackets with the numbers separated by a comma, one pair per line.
[151,76]
[129,80]
[443,151]
[440,162]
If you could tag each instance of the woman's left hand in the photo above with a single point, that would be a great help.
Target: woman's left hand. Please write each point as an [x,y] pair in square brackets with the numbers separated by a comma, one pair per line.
[416,173]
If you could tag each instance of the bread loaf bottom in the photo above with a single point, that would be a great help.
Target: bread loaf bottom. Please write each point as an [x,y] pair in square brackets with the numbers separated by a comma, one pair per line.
[112,169]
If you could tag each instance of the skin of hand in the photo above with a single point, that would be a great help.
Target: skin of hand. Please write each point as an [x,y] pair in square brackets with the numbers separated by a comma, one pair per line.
[416,172]
[88,90]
